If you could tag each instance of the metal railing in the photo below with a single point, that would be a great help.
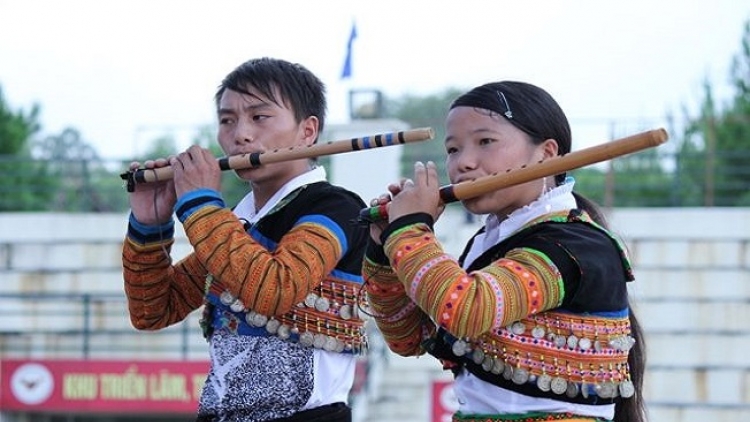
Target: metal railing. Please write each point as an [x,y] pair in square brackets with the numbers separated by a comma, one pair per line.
[86,326]
[657,180]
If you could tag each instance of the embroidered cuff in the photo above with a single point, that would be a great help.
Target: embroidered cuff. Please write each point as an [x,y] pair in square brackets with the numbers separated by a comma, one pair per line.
[196,199]
[407,220]
[143,234]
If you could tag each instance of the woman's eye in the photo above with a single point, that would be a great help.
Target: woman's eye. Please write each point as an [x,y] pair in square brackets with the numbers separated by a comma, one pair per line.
[485,141]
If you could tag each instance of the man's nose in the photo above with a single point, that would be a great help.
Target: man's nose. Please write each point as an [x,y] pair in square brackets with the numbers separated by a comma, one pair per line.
[244,133]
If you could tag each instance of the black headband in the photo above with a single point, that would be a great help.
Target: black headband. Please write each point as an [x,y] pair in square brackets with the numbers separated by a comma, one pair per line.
[493,99]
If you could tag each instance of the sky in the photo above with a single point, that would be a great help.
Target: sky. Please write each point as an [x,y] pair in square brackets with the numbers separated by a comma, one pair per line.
[123,73]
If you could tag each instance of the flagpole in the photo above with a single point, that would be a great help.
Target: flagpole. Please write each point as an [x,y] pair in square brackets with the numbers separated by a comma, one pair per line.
[347,69]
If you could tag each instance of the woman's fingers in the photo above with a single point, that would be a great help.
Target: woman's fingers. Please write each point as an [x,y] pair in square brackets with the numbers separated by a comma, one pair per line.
[425,175]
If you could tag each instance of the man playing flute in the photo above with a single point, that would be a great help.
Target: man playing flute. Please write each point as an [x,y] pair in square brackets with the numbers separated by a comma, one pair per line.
[278,275]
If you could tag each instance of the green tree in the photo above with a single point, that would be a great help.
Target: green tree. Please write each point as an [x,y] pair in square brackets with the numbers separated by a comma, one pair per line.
[427,111]
[160,147]
[715,150]
[23,182]
[16,127]
[82,182]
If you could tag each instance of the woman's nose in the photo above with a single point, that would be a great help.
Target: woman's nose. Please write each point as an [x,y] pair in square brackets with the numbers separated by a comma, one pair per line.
[467,160]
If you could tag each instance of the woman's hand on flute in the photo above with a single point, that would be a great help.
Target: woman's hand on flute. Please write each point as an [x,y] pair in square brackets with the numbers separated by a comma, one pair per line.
[377,227]
[422,194]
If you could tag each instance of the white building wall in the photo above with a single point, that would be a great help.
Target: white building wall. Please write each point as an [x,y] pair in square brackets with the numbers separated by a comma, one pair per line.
[366,172]
[692,295]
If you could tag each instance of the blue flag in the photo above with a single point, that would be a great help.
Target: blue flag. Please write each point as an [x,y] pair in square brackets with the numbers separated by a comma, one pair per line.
[346,72]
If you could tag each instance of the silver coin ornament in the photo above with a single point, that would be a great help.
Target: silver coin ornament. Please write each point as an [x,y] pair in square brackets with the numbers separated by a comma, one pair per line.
[508,372]
[259,320]
[319,341]
[459,347]
[558,385]
[572,341]
[306,339]
[477,356]
[249,318]
[606,390]
[345,312]
[520,376]
[627,389]
[237,306]
[272,326]
[331,344]
[321,304]
[584,343]
[537,332]
[498,366]
[544,382]
[284,331]
[226,298]
[572,390]
[310,300]
[561,341]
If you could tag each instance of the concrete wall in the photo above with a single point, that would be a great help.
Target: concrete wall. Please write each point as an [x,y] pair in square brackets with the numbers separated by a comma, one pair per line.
[692,295]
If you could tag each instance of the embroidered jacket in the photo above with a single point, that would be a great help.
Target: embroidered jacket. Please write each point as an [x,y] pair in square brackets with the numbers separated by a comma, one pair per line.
[543,313]
[290,287]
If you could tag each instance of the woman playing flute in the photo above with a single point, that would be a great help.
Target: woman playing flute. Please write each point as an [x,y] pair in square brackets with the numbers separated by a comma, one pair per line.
[534,317]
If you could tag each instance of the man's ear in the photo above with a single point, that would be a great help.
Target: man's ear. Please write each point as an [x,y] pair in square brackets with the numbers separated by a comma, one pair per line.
[309,130]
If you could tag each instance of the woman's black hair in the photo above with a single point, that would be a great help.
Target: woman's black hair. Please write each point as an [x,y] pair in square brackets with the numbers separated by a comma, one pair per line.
[632,409]
[527,107]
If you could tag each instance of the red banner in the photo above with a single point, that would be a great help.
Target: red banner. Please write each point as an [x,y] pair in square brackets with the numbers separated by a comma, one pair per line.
[444,403]
[102,386]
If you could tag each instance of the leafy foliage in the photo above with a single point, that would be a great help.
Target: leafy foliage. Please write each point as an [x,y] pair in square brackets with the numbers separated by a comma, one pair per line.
[426,111]
[25,184]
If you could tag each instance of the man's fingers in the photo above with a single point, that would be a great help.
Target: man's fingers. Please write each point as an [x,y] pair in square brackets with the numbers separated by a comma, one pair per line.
[176,161]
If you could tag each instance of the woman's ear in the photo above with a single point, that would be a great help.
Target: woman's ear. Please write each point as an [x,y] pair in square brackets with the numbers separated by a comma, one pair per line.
[549,148]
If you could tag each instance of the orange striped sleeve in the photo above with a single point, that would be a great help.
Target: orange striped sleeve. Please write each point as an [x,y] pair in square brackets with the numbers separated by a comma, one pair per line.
[160,294]
[471,304]
[269,282]
[402,324]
